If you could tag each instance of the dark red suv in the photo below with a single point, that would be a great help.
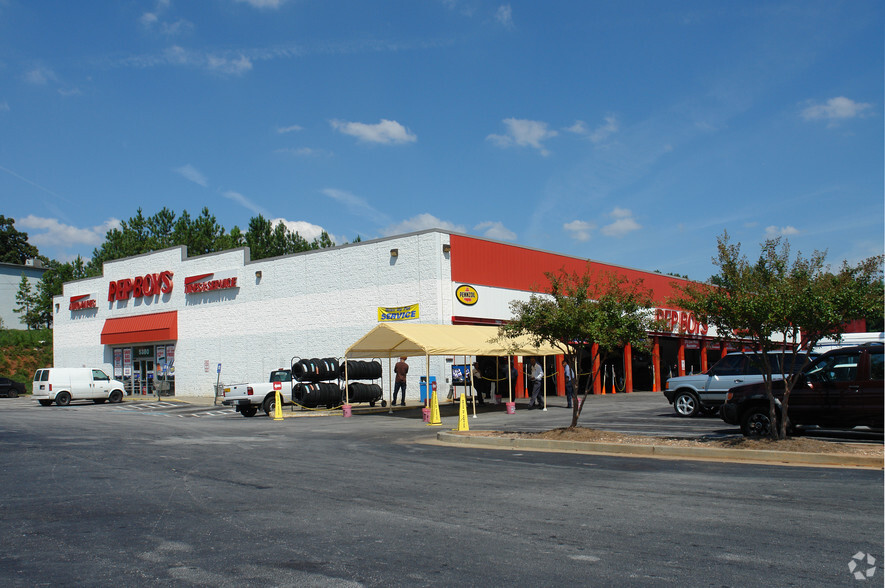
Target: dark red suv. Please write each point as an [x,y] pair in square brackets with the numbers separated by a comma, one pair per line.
[841,388]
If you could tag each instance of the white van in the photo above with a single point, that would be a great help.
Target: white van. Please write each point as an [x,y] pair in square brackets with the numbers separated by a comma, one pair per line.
[62,385]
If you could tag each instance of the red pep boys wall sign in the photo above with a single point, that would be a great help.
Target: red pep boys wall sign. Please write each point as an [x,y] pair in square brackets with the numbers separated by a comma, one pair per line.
[146,285]
[681,321]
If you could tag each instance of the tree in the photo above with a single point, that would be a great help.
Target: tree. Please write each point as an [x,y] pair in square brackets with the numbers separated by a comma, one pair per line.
[14,246]
[782,305]
[586,316]
[26,304]
[51,285]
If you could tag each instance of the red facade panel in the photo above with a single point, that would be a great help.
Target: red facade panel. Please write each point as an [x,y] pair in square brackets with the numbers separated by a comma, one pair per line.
[499,265]
[161,326]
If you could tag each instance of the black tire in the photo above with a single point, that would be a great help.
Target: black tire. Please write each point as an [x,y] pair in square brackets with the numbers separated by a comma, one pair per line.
[383,404]
[45,402]
[63,399]
[99,400]
[116,397]
[269,405]
[686,404]
[756,422]
[248,411]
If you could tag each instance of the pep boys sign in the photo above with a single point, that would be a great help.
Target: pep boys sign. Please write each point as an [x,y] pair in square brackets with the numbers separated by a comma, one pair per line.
[146,285]
[681,321]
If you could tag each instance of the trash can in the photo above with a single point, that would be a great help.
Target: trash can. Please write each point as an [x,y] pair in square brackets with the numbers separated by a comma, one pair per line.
[425,394]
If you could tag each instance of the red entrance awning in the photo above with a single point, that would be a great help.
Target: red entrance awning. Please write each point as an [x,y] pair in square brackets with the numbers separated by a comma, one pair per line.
[161,326]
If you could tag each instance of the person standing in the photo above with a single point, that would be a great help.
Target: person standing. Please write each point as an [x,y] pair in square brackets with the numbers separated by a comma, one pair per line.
[479,384]
[569,382]
[400,369]
[537,375]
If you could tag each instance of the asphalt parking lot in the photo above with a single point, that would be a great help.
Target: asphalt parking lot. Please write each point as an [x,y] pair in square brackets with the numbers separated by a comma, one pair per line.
[194,495]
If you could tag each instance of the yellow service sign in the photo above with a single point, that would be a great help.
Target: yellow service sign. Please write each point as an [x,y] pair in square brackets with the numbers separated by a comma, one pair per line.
[467,295]
[398,313]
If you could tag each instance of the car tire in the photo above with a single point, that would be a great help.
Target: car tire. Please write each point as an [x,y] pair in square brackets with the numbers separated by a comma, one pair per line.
[45,402]
[63,399]
[686,404]
[116,397]
[248,411]
[756,422]
[269,405]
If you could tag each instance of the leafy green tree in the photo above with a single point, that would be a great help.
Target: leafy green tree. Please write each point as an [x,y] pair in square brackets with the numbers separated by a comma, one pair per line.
[579,310]
[51,285]
[26,303]
[14,246]
[780,304]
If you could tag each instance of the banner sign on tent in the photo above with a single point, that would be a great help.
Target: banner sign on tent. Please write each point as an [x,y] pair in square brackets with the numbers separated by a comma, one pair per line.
[398,313]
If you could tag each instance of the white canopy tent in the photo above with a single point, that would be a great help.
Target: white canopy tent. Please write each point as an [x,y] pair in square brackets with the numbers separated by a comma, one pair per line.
[417,339]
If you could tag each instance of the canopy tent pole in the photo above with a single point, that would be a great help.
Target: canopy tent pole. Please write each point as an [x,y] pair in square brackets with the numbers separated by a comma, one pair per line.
[390,387]
[472,390]
[510,377]
[544,359]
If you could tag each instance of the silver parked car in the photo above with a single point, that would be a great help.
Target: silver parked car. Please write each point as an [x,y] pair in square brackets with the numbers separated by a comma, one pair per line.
[705,392]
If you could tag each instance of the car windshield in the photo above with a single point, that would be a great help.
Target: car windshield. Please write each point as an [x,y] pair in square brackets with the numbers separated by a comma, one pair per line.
[281,376]
[839,367]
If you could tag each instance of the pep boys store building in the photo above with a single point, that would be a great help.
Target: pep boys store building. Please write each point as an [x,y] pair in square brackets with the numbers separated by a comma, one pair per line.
[167,322]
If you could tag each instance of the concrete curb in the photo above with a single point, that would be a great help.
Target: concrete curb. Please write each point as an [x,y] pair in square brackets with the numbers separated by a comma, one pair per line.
[667,451]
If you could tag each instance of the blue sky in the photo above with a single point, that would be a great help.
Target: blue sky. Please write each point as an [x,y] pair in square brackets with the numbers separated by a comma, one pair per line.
[626,132]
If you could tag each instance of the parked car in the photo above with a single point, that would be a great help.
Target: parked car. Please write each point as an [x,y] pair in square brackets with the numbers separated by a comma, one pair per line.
[705,392]
[842,388]
[62,385]
[10,388]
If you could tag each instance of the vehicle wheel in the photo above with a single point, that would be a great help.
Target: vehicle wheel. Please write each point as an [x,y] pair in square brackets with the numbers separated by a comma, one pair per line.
[99,400]
[269,406]
[686,404]
[248,411]
[63,399]
[116,397]
[45,402]
[756,422]
[383,404]
[372,403]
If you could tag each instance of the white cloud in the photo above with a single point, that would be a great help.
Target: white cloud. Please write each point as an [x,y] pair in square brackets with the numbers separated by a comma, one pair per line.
[307,230]
[356,205]
[270,4]
[524,133]
[289,129]
[58,234]
[604,131]
[225,65]
[421,222]
[191,173]
[245,202]
[624,223]
[305,152]
[579,128]
[504,16]
[773,231]
[40,76]
[836,109]
[495,230]
[580,230]
[386,132]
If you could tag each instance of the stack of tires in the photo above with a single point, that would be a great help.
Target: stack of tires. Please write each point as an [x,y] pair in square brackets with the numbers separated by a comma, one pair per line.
[358,392]
[315,387]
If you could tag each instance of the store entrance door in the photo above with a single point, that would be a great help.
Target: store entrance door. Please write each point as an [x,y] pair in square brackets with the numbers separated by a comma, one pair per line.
[145,370]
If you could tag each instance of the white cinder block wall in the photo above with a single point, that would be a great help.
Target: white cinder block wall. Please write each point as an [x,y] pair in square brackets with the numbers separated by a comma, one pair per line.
[312,304]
